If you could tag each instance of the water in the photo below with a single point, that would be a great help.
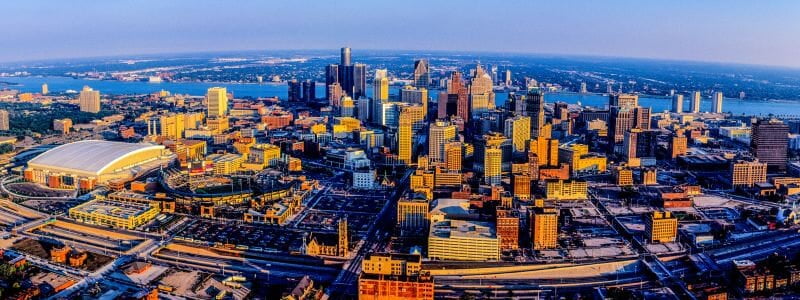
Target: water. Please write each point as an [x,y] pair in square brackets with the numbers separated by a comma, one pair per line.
[658,103]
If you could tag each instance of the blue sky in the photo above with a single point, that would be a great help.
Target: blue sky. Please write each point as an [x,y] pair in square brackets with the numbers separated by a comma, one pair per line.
[753,32]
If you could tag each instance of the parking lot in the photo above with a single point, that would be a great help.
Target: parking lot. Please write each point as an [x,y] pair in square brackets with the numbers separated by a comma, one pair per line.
[254,237]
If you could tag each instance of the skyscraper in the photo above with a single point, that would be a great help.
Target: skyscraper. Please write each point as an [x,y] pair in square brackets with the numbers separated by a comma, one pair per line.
[623,100]
[717,102]
[294,91]
[507,78]
[405,137]
[359,80]
[458,88]
[4,119]
[440,133]
[544,228]
[677,103]
[45,90]
[89,100]
[217,102]
[492,165]
[309,90]
[518,129]
[345,56]
[422,75]
[334,92]
[769,142]
[380,88]
[331,77]
[534,108]
[696,97]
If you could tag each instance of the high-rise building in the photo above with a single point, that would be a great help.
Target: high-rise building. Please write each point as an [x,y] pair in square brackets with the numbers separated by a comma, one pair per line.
[677,146]
[422,74]
[521,185]
[331,77]
[545,149]
[519,130]
[623,100]
[769,142]
[623,119]
[696,99]
[335,94]
[583,88]
[89,100]
[45,90]
[544,228]
[507,228]
[217,102]
[717,103]
[359,80]
[405,137]
[169,126]
[492,166]
[410,94]
[677,103]
[309,90]
[640,143]
[380,85]
[534,108]
[440,133]
[453,155]
[345,57]
[746,173]
[4,119]
[507,78]
[412,215]
[294,91]
[458,88]
[623,176]
[393,276]
[661,227]
[566,189]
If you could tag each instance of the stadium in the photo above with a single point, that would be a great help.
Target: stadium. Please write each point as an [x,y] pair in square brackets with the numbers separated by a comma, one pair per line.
[85,164]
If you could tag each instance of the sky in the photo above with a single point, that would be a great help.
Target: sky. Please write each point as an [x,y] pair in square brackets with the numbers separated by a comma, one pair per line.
[750,32]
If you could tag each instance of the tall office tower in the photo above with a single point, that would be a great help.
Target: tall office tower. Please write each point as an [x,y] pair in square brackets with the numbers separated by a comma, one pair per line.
[440,133]
[4,119]
[453,156]
[217,102]
[534,108]
[545,149]
[334,92]
[518,129]
[348,107]
[507,228]
[376,112]
[331,77]
[479,104]
[345,56]
[620,120]
[696,98]
[359,80]
[747,173]
[717,102]
[544,227]
[769,140]
[380,89]
[412,216]
[45,90]
[583,88]
[458,88]
[507,78]
[661,227]
[309,90]
[405,137]
[677,103]
[493,73]
[422,74]
[293,91]
[492,165]
[363,109]
[169,126]
[89,100]
[481,82]
[410,94]
[640,143]
[677,146]
[623,100]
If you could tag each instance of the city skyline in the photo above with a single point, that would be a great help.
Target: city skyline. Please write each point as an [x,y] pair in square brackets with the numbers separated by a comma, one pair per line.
[687,31]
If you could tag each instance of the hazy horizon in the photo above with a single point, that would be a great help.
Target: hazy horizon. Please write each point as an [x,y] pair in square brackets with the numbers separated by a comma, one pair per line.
[738,32]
